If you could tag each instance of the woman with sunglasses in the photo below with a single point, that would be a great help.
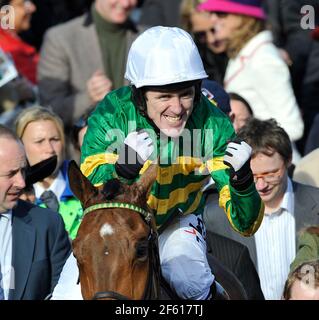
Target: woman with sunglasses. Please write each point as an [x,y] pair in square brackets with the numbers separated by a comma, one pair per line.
[200,25]
[255,69]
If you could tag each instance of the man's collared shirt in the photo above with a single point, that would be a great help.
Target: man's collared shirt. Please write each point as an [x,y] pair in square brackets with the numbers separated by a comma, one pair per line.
[276,247]
[6,271]
[57,187]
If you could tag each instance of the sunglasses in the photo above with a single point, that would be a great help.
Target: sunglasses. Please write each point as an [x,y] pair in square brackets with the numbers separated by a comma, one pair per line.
[221,14]
[273,177]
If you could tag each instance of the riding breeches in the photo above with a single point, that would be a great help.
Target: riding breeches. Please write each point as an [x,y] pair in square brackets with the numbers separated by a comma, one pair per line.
[182,249]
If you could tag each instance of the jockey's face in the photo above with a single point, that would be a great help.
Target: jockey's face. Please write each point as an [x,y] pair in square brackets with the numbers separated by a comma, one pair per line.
[170,110]
[115,11]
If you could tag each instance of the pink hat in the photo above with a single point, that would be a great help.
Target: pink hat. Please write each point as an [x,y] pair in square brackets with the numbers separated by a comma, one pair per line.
[250,8]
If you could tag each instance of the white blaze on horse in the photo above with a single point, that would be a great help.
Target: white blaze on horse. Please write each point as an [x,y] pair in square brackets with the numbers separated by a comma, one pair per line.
[117,243]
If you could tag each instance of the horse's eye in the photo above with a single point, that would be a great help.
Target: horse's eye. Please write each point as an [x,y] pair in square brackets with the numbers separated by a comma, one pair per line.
[142,250]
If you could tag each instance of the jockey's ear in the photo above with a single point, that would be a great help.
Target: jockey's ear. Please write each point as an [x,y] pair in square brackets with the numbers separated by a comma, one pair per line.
[81,187]
[147,179]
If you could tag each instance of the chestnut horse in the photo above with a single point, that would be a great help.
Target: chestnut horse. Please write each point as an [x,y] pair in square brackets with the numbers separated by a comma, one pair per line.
[116,246]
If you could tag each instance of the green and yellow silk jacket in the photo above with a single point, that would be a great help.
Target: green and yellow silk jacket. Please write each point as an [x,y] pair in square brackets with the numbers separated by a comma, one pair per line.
[185,163]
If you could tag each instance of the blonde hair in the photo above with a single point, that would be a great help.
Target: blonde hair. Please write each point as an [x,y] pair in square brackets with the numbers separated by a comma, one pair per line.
[38,113]
[187,9]
[249,28]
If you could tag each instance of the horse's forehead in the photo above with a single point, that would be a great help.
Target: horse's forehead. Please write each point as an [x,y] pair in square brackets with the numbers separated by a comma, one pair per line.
[106,230]
[109,223]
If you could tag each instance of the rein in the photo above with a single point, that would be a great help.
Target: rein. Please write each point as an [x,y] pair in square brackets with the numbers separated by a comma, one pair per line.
[151,289]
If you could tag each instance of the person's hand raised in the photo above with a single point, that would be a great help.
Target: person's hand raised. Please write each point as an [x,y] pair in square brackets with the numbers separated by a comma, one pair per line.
[98,86]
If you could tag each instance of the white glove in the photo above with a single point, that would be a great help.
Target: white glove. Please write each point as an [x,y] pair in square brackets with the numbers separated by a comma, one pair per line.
[237,154]
[141,143]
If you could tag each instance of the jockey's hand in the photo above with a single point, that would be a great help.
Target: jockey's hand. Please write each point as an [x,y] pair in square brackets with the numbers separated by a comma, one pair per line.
[237,157]
[141,143]
[138,147]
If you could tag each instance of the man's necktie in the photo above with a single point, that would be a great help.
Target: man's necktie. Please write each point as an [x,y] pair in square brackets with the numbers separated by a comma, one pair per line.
[50,200]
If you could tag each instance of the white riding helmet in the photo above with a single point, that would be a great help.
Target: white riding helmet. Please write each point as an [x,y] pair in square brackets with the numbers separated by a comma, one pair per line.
[162,56]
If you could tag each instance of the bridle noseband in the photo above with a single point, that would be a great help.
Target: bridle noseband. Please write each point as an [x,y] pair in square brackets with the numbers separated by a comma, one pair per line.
[151,289]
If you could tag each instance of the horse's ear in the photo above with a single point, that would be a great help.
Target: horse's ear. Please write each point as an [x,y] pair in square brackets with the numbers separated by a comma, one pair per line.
[81,187]
[147,179]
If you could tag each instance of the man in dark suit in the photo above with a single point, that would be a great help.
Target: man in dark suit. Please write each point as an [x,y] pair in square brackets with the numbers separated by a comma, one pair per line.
[33,242]
[289,206]
[235,257]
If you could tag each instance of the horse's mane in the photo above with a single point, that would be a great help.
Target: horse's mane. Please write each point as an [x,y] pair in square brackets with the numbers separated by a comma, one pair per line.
[112,189]
[115,189]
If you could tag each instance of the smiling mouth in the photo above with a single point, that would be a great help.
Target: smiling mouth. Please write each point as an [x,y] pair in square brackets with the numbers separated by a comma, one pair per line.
[14,195]
[265,193]
[173,119]
[121,10]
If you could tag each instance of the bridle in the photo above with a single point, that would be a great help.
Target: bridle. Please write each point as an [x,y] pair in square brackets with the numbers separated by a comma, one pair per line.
[152,286]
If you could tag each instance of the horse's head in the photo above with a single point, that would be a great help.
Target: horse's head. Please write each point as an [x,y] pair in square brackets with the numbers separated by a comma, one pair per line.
[114,243]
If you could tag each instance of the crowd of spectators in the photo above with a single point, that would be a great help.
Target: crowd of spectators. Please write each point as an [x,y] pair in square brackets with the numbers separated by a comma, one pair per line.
[59,59]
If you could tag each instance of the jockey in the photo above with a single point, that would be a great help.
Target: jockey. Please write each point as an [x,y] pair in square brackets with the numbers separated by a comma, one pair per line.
[162,116]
